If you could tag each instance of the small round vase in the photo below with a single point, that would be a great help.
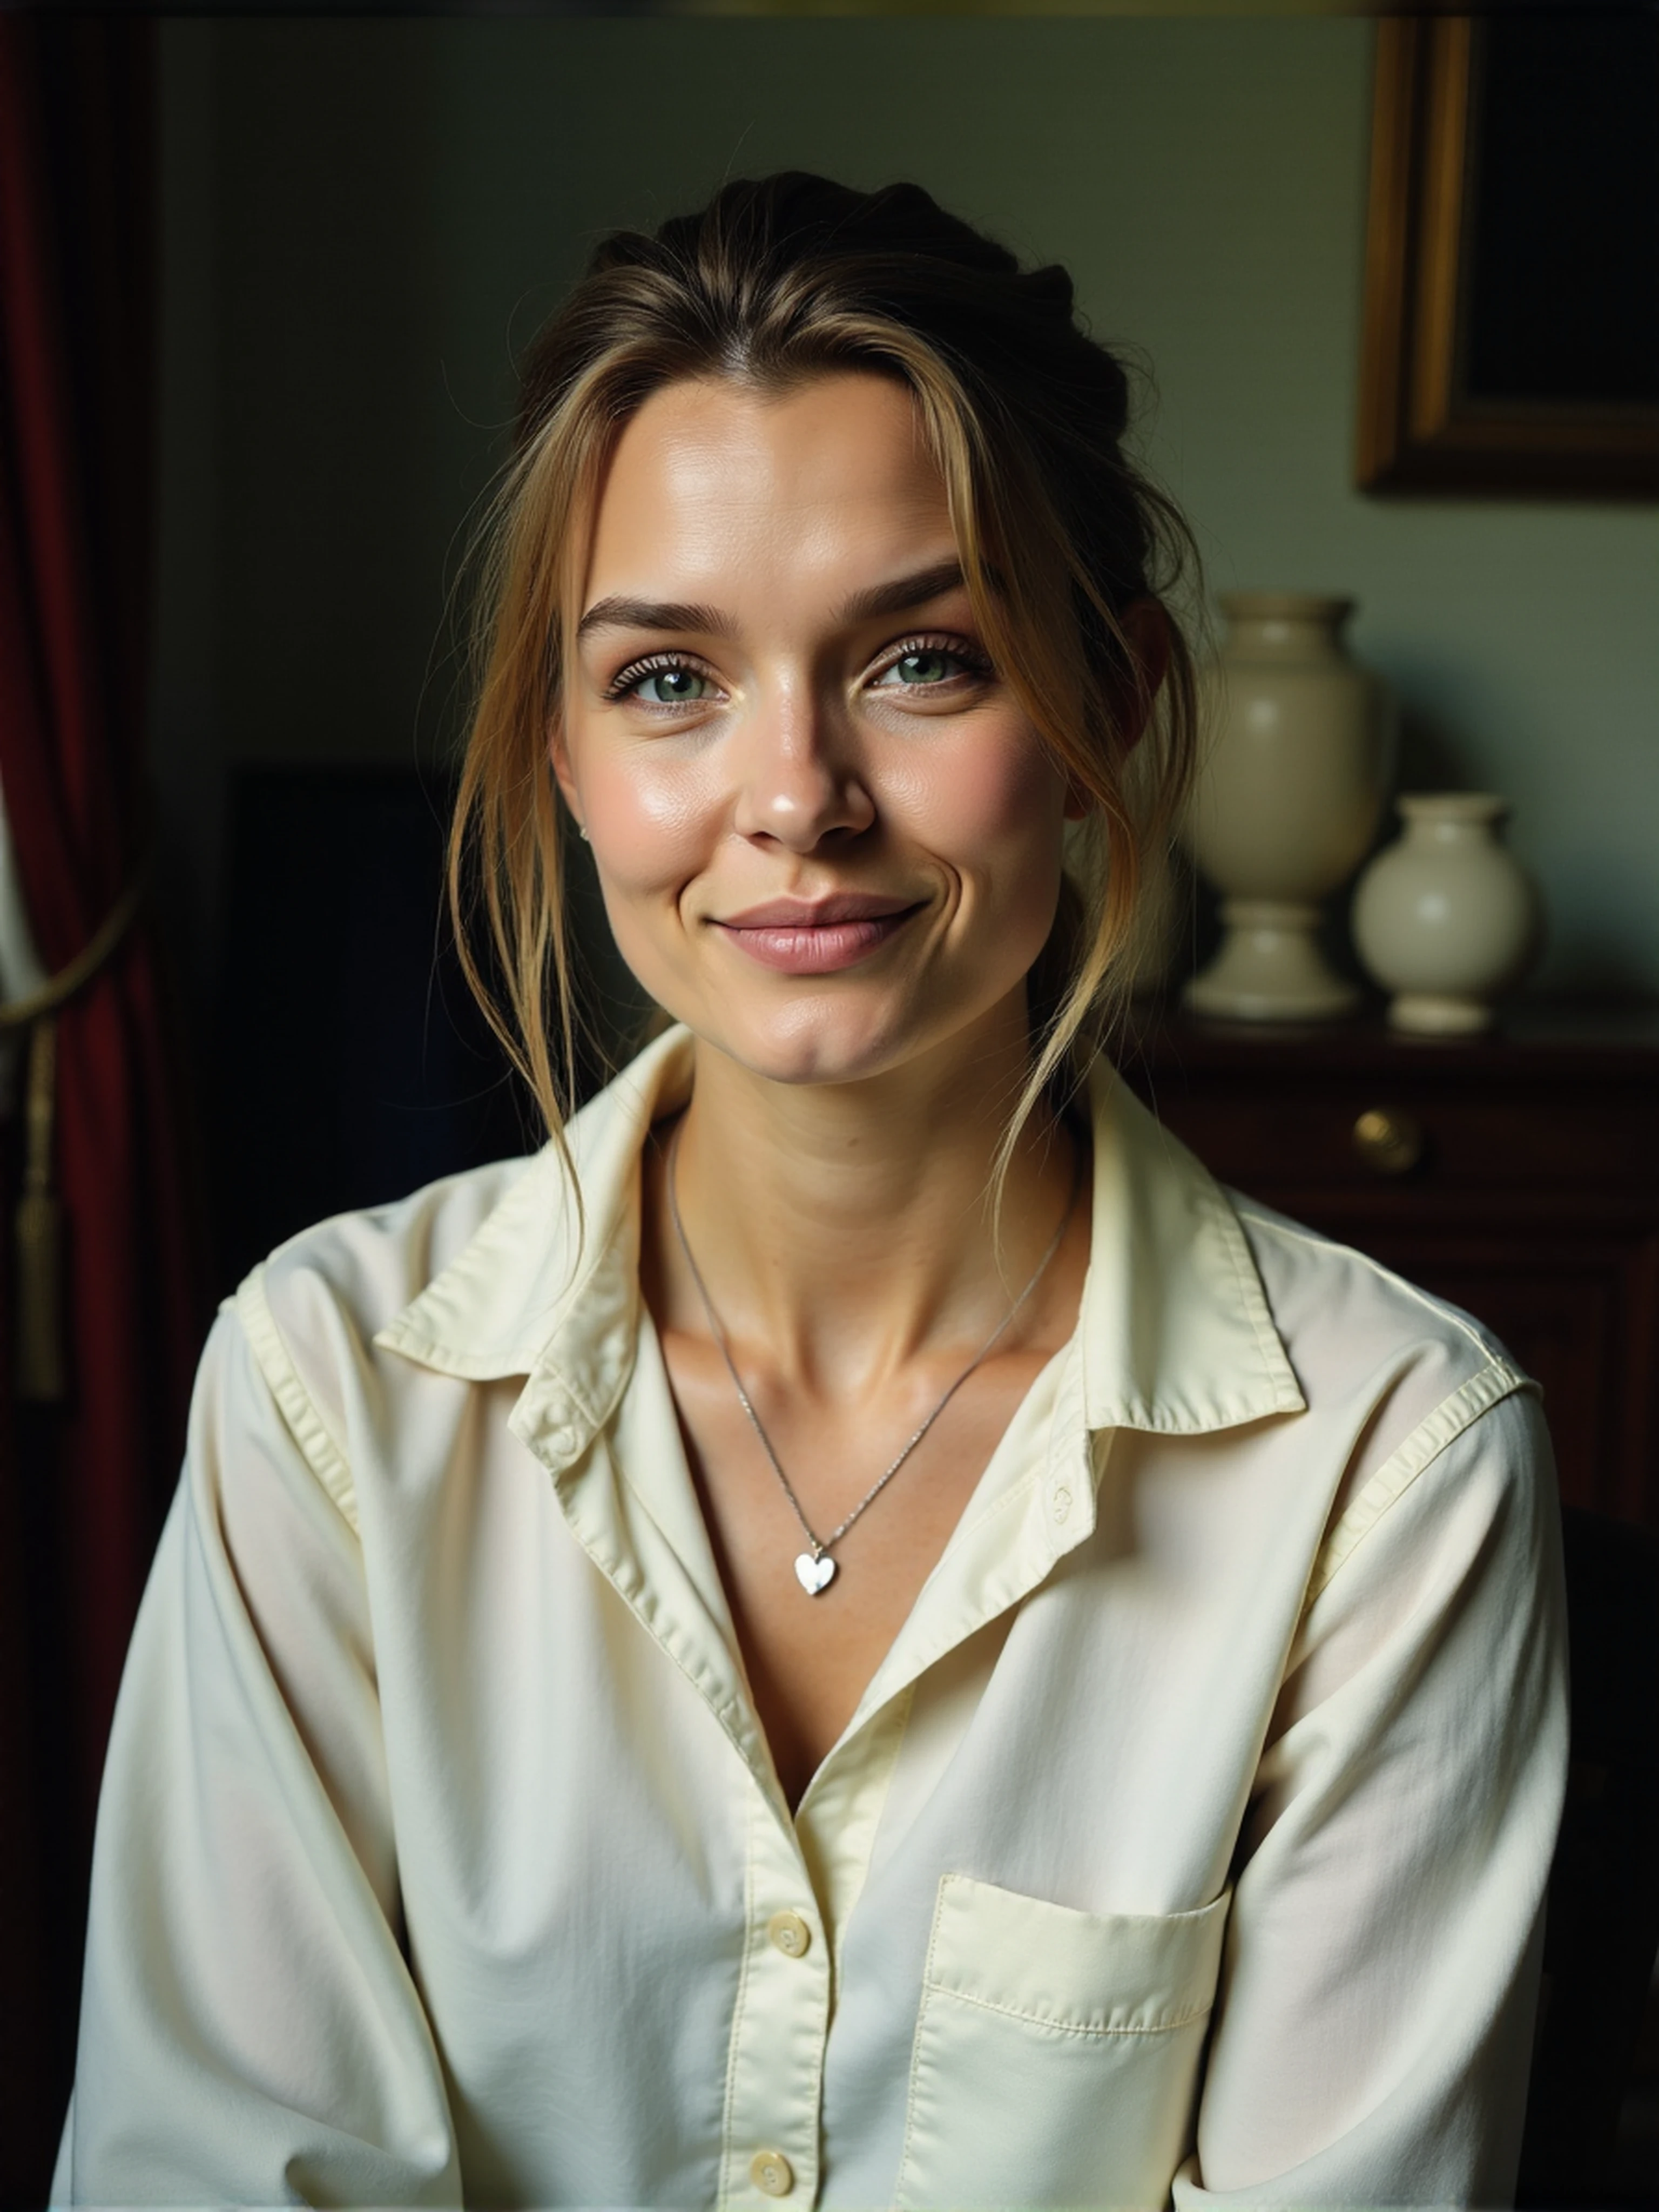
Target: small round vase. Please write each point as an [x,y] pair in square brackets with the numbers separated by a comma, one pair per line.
[1447,918]
[1288,801]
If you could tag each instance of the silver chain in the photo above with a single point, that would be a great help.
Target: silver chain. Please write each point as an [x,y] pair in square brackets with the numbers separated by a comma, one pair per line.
[822,1544]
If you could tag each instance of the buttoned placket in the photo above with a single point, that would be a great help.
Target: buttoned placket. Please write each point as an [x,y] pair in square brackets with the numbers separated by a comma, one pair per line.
[780,2025]
[770,2126]
[802,1873]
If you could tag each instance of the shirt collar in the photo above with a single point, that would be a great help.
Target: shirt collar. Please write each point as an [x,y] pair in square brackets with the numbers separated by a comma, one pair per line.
[1176,1334]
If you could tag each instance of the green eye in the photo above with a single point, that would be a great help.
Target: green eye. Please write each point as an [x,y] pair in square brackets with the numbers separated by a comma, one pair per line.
[929,665]
[674,687]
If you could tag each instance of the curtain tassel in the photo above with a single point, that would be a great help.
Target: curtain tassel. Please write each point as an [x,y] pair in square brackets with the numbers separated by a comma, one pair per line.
[42,1375]
[41,1378]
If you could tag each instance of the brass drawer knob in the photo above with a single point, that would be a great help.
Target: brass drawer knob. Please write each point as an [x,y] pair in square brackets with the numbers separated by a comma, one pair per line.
[1388,1141]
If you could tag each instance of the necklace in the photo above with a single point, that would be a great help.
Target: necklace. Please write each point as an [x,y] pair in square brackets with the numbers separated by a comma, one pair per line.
[814,1568]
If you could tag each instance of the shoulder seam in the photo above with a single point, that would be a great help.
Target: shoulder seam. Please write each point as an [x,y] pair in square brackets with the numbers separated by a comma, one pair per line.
[324,1455]
[1496,1381]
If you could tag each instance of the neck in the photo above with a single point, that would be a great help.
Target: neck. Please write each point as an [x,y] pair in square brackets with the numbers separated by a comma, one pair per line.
[845,1229]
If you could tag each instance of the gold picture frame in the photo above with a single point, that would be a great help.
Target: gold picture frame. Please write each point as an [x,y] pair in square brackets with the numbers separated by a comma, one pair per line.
[1423,426]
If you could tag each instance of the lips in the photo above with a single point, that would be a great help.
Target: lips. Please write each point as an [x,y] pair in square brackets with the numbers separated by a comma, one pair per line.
[816,937]
[816,913]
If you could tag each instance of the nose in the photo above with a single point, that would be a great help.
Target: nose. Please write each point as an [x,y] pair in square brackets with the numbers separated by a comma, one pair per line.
[799,778]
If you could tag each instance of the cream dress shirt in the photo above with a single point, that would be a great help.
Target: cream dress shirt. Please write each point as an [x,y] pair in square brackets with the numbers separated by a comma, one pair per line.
[1189,1841]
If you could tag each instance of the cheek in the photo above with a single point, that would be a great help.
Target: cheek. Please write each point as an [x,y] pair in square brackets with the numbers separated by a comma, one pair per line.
[648,821]
[994,813]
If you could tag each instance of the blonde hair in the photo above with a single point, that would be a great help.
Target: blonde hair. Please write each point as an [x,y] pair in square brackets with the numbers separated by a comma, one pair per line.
[777,280]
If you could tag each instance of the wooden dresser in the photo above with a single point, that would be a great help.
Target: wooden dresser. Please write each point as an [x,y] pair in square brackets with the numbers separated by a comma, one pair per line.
[1516,1175]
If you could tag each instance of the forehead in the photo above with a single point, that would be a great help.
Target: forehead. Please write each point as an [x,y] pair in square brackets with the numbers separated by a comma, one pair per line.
[711,477]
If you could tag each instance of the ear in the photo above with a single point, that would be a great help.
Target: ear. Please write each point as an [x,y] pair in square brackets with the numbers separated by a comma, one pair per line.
[558,754]
[1147,627]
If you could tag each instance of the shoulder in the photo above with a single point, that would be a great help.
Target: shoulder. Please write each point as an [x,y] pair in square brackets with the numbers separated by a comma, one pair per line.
[1432,1411]
[358,1271]
[296,1341]
[1342,1314]
[356,1318]
[1210,1311]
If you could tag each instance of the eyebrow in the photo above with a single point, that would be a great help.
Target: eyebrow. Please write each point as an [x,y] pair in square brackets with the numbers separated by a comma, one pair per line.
[896,598]
[904,592]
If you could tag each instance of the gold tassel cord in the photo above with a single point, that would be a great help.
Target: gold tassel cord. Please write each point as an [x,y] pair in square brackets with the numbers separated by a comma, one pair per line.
[77,974]
[42,1367]
[40,1377]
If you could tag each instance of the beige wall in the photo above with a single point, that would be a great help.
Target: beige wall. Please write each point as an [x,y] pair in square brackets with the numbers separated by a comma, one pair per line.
[364,218]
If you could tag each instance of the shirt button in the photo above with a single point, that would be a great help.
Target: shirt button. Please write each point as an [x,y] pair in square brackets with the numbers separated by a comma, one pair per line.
[1060,1502]
[790,1935]
[771,2173]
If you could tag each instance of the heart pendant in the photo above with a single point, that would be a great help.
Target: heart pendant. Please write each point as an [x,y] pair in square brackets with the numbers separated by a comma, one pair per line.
[815,1574]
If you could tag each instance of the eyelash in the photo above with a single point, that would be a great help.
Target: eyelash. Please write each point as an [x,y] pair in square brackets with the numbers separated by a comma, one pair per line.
[975,665]
[655,663]
[974,662]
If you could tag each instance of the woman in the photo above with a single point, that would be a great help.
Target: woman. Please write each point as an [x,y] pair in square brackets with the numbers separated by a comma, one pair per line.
[856,1630]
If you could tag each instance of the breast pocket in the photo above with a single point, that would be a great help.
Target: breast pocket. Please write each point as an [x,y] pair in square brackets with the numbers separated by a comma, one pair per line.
[1057,2053]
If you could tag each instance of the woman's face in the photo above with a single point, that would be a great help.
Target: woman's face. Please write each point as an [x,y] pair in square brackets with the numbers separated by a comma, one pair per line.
[828,837]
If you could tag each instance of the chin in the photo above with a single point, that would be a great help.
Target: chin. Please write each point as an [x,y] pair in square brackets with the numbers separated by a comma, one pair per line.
[821,1038]
[814,1044]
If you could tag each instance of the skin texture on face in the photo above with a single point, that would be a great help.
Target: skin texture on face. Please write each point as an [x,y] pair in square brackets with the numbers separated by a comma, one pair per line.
[828,837]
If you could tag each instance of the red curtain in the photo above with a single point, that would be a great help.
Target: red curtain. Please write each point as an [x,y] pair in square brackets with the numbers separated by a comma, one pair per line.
[90,1475]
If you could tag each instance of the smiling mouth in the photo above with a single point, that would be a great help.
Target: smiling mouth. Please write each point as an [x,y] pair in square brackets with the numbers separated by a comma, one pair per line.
[799,940]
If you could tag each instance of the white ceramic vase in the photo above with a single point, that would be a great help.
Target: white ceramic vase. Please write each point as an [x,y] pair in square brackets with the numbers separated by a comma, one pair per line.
[1447,918]
[1288,800]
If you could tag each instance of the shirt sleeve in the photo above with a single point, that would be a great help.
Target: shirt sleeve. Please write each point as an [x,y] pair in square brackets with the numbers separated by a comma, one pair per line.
[1373,2030]
[250,2030]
